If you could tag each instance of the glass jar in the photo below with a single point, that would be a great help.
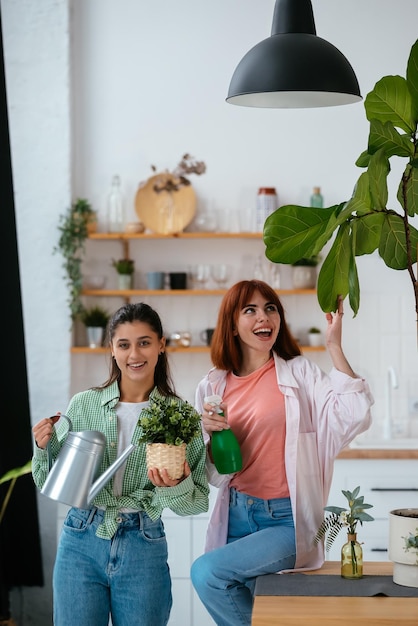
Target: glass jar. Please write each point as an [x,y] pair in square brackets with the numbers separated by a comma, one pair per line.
[115,208]
[352,558]
[266,205]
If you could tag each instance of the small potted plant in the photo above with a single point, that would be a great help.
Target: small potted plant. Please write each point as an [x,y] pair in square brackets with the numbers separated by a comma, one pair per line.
[168,425]
[95,320]
[403,546]
[125,269]
[314,336]
[304,272]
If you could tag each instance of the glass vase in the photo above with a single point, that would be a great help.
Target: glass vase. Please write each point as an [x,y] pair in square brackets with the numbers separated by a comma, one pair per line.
[352,558]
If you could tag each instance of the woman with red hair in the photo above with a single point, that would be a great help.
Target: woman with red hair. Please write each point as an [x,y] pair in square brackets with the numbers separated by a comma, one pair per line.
[291,420]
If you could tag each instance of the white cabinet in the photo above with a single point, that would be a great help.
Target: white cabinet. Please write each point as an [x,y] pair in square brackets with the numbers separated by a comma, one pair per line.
[386,484]
[186,540]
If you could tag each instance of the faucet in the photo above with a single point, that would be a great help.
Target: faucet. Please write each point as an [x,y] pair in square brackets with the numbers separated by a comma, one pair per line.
[391,383]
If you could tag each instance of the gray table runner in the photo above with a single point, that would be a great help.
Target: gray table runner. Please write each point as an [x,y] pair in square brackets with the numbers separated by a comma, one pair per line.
[330,585]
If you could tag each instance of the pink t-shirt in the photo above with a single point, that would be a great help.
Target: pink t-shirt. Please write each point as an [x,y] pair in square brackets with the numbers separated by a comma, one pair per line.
[256,414]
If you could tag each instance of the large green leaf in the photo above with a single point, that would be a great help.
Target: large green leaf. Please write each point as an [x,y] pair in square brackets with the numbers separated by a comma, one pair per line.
[408,190]
[333,278]
[378,170]
[392,247]
[16,472]
[291,232]
[391,101]
[412,78]
[385,137]
[367,232]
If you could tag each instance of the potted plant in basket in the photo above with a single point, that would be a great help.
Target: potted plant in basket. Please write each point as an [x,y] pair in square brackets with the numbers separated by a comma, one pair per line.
[351,552]
[125,269]
[168,425]
[95,320]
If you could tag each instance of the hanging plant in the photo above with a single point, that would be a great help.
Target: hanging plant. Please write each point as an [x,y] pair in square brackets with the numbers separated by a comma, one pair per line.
[74,226]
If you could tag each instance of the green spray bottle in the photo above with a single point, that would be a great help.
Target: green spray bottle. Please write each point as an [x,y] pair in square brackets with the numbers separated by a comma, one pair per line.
[225,448]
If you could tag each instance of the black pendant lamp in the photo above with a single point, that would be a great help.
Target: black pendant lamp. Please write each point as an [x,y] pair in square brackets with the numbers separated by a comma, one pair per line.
[293,68]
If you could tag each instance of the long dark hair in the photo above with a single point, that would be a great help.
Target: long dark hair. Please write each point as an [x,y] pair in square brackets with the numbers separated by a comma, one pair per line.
[140,312]
[225,348]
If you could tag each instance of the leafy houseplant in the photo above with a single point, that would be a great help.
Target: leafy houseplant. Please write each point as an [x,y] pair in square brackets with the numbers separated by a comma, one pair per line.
[168,425]
[95,320]
[367,221]
[307,262]
[95,317]
[124,266]
[74,226]
[169,420]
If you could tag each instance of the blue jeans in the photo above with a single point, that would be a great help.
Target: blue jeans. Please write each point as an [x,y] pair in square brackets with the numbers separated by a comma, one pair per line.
[126,577]
[261,540]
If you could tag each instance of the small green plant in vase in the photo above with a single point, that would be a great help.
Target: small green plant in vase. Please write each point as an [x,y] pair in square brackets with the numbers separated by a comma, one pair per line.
[351,552]
[125,269]
[95,320]
[168,425]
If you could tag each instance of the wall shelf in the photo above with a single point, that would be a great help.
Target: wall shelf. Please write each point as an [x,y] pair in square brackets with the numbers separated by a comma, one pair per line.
[128,293]
[196,235]
[190,349]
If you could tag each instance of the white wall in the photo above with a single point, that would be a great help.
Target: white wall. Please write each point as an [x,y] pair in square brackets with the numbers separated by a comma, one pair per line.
[149,84]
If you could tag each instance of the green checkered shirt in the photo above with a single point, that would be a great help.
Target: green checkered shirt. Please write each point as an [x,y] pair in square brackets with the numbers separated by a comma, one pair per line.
[95,410]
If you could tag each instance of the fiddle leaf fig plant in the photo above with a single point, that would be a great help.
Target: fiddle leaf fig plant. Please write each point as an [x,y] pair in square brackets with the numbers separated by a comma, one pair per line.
[367,221]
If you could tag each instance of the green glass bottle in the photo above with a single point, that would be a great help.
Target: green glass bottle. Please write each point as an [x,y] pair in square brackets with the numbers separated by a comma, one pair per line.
[317,200]
[226,453]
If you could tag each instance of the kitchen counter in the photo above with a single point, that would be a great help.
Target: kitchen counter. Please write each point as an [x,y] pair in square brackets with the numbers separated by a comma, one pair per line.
[375,453]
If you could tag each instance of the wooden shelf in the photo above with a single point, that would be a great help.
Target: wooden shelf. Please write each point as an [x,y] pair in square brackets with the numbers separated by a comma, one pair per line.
[197,235]
[190,349]
[128,293]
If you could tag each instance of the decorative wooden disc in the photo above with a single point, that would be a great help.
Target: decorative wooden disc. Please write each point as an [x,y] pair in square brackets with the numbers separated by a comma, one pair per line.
[165,212]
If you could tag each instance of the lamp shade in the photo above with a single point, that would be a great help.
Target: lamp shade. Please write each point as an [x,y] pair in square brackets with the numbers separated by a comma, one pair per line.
[293,68]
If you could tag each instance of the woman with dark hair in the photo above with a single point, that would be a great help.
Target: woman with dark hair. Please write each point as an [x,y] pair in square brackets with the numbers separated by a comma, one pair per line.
[112,556]
[291,420]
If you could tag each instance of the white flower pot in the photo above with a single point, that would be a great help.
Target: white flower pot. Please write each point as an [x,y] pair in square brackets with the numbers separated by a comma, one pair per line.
[402,524]
[304,277]
[125,281]
[95,336]
[315,339]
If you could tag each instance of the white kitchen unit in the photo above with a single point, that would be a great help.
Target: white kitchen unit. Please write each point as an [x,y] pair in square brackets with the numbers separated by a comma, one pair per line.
[387,484]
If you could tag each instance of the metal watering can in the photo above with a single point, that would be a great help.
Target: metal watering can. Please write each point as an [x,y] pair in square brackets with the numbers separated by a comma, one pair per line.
[73,479]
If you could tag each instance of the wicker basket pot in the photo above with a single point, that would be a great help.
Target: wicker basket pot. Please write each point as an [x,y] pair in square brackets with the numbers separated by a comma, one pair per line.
[167,456]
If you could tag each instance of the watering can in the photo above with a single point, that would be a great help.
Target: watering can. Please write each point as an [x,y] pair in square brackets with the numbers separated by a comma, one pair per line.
[73,478]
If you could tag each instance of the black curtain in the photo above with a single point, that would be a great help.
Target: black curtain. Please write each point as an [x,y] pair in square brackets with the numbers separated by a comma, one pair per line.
[20,547]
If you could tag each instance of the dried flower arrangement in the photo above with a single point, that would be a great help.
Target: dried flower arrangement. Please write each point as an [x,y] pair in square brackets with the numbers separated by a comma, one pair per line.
[173,181]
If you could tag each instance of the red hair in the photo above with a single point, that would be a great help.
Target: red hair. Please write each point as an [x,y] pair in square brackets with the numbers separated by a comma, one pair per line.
[225,348]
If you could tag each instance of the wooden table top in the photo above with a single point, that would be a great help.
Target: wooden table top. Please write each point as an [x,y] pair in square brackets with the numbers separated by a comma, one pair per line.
[337,610]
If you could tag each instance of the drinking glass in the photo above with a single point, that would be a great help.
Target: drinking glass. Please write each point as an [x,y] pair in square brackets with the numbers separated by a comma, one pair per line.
[201,275]
[220,274]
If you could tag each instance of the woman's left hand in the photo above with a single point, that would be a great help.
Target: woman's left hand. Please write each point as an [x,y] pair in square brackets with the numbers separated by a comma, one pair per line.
[160,478]
[334,327]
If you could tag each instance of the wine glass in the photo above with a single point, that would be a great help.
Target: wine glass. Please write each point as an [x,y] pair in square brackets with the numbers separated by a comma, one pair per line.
[220,274]
[201,275]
